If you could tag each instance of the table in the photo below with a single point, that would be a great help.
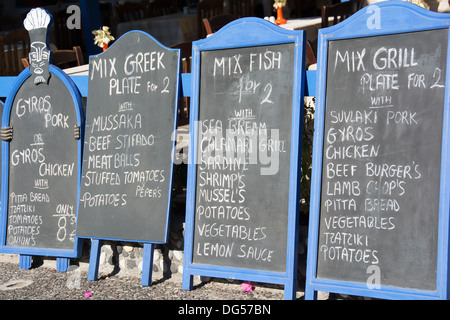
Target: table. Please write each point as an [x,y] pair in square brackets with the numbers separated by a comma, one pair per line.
[168,29]
[310,24]
[78,71]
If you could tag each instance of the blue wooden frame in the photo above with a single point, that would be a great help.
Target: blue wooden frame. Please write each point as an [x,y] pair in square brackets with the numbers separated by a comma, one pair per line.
[390,17]
[96,242]
[27,253]
[248,32]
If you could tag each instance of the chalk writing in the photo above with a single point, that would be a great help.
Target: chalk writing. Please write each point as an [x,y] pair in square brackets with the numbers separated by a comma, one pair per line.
[42,165]
[127,158]
[243,143]
[377,174]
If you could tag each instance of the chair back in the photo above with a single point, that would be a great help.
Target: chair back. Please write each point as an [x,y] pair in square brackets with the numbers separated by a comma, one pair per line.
[215,23]
[13,47]
[310,54]
[162,7]
[131,11]
[242,8]
[68,58]
[339,12]
[207,9]
[63,58]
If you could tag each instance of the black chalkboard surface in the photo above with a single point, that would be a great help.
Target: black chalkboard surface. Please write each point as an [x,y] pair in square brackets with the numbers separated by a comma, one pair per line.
[130,120]
[245,112]
[43,166]
[382,158]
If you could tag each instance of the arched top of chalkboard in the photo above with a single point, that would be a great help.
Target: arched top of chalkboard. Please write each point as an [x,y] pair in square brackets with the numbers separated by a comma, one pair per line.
[130,33]
[388,17]
[55,71]
[257,32]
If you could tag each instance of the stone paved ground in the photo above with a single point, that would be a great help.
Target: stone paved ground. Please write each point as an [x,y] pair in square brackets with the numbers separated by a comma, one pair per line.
[124,292]
[43,283]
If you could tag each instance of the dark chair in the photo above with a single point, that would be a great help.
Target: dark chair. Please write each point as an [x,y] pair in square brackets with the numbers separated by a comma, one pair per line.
[306,8]
[63,58]
[207,9]
[339,12]
[130,11]
[16,45]
[215,23]
[186,60]
[8,23]
[242,8]
[162,7]
[310,54]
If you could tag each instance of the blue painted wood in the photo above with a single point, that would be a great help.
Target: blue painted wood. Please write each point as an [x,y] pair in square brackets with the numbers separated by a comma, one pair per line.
[390,17]
[7,84]
[188,278]
[186,84]
[82,83]
[25,261]
[257,32]
[147,265]
[94,259]
[62,264]
[310,86]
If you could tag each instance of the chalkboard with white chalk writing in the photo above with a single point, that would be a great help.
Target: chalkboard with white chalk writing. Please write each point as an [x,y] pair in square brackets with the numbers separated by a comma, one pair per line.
[244,144]
[381,149]
[246,149]
[39,195]
[382,144]
[130,124]
[42,132]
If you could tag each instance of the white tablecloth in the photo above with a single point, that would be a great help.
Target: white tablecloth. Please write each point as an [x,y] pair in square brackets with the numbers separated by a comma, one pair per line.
[78,71]
[310,24]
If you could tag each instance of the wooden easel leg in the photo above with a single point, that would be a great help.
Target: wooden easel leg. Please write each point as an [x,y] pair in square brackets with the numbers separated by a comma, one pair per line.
[96,247]
[147,265]
[25,262]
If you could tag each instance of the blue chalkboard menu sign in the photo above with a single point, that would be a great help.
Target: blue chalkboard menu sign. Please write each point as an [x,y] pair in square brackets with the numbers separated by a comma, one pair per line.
[42,133]
[131,120]
[242,200]
[379,198]
[126,183]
